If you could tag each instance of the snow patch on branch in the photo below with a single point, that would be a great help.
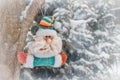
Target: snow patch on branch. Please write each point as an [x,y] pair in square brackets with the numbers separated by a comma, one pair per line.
[115,9]
[24,12]
[49,0]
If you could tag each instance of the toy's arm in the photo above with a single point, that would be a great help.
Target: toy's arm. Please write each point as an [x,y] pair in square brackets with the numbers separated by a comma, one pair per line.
[30,61]
[27,47]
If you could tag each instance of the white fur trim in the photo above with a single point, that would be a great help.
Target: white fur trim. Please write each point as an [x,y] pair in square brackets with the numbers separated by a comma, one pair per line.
[58,61]
[29,62]
[46,32]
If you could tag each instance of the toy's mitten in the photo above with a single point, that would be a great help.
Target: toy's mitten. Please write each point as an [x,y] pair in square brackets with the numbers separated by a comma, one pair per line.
[64,57]
[22,57]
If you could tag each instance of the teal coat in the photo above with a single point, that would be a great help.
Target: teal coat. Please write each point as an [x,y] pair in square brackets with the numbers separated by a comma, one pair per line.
[43,61]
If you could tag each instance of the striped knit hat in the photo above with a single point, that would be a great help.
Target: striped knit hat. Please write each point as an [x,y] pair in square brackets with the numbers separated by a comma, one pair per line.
[47,21]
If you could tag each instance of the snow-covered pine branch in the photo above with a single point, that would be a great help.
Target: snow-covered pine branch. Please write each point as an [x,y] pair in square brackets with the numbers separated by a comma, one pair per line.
[24,12]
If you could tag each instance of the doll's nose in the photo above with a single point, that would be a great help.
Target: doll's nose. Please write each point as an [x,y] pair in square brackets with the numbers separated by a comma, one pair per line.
[48,38]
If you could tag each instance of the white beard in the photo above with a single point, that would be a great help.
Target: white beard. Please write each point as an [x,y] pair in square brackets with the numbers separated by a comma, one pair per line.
[50,49]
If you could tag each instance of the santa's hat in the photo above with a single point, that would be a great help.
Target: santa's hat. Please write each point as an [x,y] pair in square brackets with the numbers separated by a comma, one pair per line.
[44,27]
[47,21]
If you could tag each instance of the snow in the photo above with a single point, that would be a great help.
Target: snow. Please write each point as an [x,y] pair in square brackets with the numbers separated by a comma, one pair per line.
[24,12]
[57,25]
[109,15]
[99,65]
[61,11]
[49,0]
[98,32]
[115,9]
[104,55]
[114,71]
[91,54]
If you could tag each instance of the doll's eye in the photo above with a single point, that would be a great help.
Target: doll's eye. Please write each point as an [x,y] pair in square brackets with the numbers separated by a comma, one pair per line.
[48,36]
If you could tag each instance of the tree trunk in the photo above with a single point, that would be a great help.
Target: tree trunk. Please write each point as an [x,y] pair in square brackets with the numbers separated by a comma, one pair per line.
[13,34]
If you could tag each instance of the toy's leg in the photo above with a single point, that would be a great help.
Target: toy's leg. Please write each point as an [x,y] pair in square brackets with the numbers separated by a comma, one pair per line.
[26,60]
[60,59]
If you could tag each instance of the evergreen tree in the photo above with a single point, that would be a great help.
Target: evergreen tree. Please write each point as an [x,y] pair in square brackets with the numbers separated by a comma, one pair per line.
[87,29]
[89,25]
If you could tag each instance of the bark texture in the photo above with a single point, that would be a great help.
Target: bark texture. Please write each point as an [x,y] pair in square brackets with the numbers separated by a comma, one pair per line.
[13,34]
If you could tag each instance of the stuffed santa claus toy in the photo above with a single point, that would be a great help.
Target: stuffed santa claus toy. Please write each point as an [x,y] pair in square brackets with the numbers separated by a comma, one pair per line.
[46,49]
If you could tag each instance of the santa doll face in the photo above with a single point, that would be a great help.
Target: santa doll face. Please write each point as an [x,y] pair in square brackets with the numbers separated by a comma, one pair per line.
[46,46]
[45,40]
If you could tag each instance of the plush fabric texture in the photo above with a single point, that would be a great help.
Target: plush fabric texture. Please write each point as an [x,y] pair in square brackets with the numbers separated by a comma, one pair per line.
[64,57]
[44,61]
[55,61]
[47,21]
[58,61]
[29,61]
[22,57]
[46,32]
[52,49]
[46,48]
